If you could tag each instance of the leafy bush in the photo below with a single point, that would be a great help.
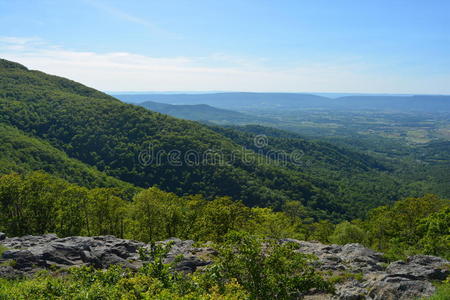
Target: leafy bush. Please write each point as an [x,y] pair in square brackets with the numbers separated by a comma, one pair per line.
[442,292]
[2,250]
[265,269]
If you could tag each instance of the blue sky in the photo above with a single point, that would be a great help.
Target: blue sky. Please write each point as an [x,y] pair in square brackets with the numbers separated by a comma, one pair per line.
[293,46]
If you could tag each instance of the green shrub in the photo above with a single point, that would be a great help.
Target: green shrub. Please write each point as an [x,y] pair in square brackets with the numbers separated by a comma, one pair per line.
[442,292]
[2,250]
[265,269]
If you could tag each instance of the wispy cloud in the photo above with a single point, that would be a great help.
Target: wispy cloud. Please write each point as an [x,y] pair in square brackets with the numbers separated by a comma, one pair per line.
[127,17]
[122,71]
[18,43]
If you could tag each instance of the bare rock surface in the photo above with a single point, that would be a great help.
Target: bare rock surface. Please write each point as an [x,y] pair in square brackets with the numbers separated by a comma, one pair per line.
[421,267]
[410,279]
[28,254]
[350,257]
[366,273]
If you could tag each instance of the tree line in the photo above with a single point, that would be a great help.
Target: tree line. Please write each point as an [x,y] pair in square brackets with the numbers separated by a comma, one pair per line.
[38,203]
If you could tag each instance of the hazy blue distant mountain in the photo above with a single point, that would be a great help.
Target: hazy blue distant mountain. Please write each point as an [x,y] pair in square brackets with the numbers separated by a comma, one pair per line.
[292,101]
[202,112]
[397,103]
[339,95]
[236,101]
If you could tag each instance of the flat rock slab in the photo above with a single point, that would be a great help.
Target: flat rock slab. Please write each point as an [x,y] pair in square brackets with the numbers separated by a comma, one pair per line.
[28,253]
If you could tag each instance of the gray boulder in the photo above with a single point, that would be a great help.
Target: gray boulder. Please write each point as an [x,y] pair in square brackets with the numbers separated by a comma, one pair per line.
[379,286]
[2,236]
[190,257]
[23,260]
[350,257]
[350,290]
[48,250]
[8,272]
[399,288]
[361,259]
[400,280]
[421,267]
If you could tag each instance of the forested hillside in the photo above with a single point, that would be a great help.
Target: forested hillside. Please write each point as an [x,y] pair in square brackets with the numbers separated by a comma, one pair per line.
[111,136]
[103,132]
[22,153]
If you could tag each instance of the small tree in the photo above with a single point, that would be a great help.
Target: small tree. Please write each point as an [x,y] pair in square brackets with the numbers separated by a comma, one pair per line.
[435,232]
[346,233]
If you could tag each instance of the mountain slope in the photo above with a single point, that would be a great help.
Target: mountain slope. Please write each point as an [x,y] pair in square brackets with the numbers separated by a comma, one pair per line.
[147,148]
[357,181]
[110,135]
[21,153]
[315,152]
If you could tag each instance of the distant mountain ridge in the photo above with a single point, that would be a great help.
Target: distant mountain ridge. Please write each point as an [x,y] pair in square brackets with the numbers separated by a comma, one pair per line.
[235,100]
[201,112]
[241,101]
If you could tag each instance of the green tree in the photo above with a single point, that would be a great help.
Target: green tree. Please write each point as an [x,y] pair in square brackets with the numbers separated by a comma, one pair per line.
[219,217]
[435,233]
[155,215]
[107,212]
[320,231]
[266,222]
[346,233]
[72,215]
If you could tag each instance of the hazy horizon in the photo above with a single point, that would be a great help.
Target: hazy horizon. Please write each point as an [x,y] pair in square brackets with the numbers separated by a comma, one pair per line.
[326,94]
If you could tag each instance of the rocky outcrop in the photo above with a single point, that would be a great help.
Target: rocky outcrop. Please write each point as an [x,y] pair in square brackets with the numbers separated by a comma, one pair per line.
[28,254]
[399,280]
[365,273]
[420,267]
[32,252]
[351,257]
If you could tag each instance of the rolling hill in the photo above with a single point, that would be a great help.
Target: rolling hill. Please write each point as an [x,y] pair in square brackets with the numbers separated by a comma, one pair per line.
[202,112]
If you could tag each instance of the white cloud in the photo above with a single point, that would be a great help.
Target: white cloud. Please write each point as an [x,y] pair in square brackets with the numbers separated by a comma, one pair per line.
[122,71]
